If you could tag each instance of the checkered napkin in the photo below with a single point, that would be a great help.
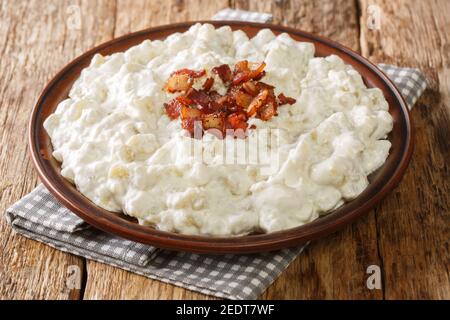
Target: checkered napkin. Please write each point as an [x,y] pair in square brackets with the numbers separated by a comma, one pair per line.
[40,217]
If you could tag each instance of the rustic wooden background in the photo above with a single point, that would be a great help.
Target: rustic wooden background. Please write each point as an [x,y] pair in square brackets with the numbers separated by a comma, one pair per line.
[407,235]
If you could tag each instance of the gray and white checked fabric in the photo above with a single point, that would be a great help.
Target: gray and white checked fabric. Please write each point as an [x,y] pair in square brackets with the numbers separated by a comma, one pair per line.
[40,217]
[410,82]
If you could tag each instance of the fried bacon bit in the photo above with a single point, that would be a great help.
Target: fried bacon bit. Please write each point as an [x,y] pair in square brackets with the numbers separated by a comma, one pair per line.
[262,85]
[257,102]
[258,71]
[224,72]
[222,100]
[190,73]
[207,85]
[173,108]
[243,99]
[246,97]
[268,110]
[260,76]
[243,73]
[213,121]
[199,97]
[250,87]
[189,116]
[190,113]
[184,100]
[237,120]
[178,83]
[181,80]
[285,100]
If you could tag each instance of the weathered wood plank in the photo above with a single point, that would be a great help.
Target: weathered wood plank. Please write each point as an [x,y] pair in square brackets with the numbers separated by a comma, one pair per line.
[334,19]
[414,221]
[141,14]
[36,39]
[106,282]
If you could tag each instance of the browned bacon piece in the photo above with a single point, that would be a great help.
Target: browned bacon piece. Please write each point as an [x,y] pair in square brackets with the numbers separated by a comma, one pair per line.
[243,73]
[285,100]
[243,99]
[237,120]
[207,85]
[173,108]
[268,110]
[213,121]
[178,83]
[246,97]
[250,87]
[224,72]
[189,116]
[181,80]
[257,102]
[191,73]
[199,97]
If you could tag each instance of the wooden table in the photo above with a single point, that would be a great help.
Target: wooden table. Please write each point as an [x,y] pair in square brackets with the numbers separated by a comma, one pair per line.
[407,236]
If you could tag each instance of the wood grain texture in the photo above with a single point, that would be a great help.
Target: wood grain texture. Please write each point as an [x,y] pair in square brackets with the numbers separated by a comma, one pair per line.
[35,42]
[407,235]
[141,14]
[414,222]
[335,19]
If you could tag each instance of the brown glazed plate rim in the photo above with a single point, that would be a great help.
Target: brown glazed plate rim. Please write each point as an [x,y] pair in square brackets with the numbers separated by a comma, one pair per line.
[382,182]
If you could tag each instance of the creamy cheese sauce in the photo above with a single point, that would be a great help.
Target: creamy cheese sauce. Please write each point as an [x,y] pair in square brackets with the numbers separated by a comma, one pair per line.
[119,148]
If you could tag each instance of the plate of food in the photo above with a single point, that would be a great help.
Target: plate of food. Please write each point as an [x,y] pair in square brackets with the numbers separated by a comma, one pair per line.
[220,137]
